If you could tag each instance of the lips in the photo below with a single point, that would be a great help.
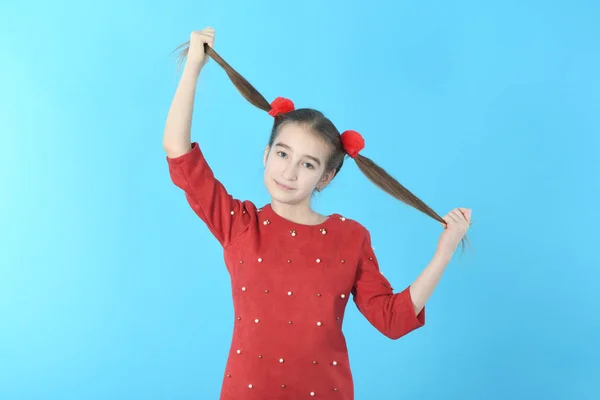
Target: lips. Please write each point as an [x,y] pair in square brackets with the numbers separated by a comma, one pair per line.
[284,187]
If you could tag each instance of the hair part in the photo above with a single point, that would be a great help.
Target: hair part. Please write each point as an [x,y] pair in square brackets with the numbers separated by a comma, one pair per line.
[316,122]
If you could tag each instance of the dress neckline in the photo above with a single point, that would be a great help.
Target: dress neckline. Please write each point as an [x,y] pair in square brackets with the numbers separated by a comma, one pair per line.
[269,209]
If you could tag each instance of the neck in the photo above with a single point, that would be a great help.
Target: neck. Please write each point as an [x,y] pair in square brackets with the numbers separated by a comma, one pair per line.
[297,213]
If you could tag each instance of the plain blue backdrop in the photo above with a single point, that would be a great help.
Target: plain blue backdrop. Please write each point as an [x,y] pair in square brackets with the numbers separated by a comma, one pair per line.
[110,286]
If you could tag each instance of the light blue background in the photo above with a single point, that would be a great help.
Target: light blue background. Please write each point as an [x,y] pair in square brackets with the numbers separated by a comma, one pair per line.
[111,288]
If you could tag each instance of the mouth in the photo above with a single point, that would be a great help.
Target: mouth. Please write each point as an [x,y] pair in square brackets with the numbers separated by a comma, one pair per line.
[282,186]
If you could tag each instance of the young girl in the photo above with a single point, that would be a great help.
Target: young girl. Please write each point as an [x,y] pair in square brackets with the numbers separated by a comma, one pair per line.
[292,269]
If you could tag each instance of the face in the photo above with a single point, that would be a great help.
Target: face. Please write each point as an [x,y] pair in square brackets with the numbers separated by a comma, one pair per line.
[295,165]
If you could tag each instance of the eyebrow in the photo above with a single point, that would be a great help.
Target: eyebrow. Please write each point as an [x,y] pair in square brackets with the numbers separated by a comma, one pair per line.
[285,146]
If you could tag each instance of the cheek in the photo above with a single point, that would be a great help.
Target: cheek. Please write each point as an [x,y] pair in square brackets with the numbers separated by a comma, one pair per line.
[310,179]
[275,166]
[271,162]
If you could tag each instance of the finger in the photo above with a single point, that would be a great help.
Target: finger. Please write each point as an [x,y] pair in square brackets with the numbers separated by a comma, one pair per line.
[467,213]
[452,217]
[466,216]
[447,221]
[210,40]
[458,215]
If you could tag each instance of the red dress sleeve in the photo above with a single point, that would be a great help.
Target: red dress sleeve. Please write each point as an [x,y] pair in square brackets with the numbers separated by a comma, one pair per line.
[393,314]
[227,218]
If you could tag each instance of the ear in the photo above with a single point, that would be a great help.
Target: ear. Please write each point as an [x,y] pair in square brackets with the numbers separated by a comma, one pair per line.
[266,156]
[325,179]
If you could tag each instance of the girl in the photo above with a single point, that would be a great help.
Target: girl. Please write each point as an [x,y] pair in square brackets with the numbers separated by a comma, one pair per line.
[292,269]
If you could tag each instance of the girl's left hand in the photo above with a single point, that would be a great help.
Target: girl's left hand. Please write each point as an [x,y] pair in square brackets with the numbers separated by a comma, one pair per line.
[455,228]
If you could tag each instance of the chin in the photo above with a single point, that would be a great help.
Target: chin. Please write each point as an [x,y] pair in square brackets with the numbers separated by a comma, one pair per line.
[281,195]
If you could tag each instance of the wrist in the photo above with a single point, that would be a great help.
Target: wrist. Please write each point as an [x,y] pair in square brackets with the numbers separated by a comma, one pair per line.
[192,68]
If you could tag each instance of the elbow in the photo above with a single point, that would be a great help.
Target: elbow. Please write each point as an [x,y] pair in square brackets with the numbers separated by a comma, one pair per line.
[393,335]
[390,331]
[397,334]
[398,329]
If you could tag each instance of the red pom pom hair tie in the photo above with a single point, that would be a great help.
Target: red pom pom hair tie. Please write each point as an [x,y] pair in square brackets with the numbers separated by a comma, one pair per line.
[281,105]
[353,143]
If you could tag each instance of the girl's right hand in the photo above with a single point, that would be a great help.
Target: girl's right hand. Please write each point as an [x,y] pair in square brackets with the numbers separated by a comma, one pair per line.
[196,53]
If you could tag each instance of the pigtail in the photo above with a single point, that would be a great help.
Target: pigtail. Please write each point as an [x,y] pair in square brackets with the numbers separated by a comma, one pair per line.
[242,85]
[391,186]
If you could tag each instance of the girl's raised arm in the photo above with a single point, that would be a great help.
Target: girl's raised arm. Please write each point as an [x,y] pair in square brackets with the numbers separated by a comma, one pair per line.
[177,136]
[226,217]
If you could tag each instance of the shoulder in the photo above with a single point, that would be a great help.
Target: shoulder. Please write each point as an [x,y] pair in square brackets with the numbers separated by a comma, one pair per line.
[353,226]
[251,208]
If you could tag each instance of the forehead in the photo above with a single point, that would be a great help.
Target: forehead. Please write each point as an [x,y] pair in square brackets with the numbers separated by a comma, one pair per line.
[303,141]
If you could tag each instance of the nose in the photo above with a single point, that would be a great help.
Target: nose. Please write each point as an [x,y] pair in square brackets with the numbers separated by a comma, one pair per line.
[290,173]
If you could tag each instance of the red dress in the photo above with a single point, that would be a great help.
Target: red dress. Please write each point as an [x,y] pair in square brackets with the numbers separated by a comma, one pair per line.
[290,286]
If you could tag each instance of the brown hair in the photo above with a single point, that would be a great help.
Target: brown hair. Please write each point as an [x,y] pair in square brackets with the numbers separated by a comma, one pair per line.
[318,123]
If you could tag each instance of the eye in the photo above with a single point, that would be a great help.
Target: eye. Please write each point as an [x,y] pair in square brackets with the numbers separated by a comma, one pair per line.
[309,165]
[281,154]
